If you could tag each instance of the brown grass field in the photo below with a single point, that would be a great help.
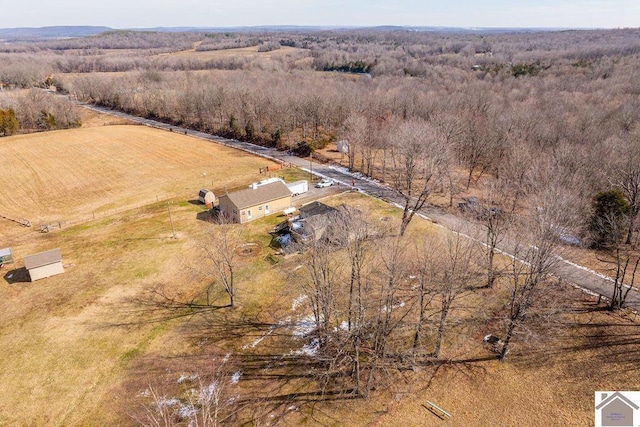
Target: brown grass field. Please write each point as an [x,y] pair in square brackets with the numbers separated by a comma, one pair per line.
[71,175]
[78,351]
[242,52]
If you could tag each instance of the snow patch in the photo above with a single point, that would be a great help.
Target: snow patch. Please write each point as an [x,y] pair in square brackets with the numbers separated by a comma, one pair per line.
[394,306]
[345,171]
[184,378]
[236,377]
[298,301]
[304,326]
[310,349]
[259,339]
[186,411]
[167,403]
[207,393]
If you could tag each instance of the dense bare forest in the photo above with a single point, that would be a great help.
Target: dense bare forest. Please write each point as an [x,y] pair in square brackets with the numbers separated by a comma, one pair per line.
[544,127]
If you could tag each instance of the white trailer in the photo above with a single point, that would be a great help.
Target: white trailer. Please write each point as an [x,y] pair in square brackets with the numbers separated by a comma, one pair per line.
[298,187]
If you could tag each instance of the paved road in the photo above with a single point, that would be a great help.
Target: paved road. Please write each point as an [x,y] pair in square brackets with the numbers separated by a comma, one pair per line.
[574,274]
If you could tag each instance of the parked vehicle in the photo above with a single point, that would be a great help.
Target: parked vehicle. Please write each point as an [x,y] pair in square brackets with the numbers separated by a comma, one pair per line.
[325,183]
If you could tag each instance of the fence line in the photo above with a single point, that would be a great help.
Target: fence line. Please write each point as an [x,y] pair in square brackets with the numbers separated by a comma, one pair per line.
[22,222]
[107,213]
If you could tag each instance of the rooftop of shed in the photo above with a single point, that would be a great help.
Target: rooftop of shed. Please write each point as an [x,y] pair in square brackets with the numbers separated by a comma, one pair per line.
[42,258]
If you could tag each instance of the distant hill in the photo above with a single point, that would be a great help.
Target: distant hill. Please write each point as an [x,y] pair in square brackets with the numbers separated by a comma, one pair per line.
[247,29]
[84,31]
[386,28]
[49,32]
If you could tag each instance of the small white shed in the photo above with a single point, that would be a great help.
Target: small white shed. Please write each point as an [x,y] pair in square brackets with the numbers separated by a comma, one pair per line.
[44,264]
[5,256]
[207,197]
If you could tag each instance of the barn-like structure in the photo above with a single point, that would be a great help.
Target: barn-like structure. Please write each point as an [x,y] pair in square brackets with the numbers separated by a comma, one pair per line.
[44,264]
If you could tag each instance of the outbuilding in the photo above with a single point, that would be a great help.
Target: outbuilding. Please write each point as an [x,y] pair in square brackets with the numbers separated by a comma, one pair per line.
[44,264]
[5,256]
[207,197]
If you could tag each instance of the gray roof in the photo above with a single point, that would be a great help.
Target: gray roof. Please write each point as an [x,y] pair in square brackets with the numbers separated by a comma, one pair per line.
[42,259]
[261,194]
[314,208]
[5,252]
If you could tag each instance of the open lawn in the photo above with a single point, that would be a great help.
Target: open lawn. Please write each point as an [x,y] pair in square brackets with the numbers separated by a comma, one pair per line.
[74,175]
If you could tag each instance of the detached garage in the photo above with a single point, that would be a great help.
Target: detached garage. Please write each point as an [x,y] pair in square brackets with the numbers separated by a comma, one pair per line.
[44,264]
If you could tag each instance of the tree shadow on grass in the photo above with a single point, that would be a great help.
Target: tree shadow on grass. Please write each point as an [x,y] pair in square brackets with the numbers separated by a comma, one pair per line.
[277,374]
[586,339]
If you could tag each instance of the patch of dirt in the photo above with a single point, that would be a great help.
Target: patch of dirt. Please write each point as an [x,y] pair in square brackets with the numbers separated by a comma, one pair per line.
[250,249]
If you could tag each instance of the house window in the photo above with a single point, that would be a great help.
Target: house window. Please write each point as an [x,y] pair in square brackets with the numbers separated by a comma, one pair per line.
[249,213]
[236,212]
[259,208]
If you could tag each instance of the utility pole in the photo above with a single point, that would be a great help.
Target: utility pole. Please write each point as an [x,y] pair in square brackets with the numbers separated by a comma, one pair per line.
[173,231]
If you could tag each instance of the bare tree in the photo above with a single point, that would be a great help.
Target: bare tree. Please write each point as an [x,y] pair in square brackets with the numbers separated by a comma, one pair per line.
[482,144]
[356,134]
[626,176]
[624,264]
[457,273]
[451,130]
[534,255]
[322,287]
[426,266]
[495,221]
[221,250]
[352,229]
[623,261]
[417,158]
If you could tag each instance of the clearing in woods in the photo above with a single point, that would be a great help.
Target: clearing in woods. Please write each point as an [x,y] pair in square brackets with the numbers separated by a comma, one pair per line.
[242,52]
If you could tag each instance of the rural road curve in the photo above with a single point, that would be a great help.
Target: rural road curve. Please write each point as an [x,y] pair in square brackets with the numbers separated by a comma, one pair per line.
[588,280]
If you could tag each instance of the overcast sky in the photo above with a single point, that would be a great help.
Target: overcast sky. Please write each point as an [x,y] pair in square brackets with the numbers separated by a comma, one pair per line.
[232,13]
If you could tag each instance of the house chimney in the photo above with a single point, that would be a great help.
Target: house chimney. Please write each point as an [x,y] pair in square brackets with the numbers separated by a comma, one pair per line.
[603,396]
